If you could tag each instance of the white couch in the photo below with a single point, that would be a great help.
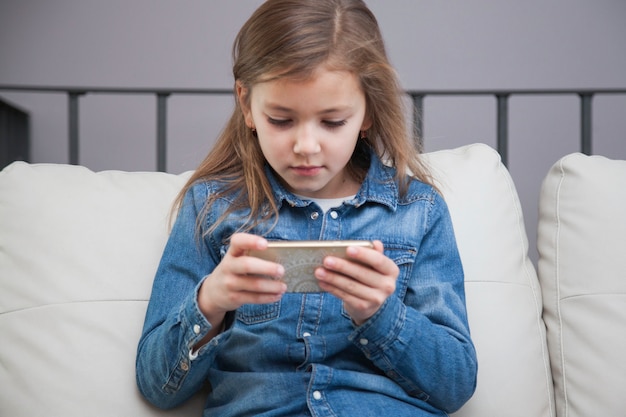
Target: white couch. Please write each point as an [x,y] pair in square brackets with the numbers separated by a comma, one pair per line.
[78,251]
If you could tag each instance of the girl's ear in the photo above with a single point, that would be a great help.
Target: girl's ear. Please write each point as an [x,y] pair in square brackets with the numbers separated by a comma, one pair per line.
[367,123]
[244,102]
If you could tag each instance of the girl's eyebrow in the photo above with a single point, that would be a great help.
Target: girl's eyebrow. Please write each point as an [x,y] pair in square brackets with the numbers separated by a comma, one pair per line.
[277,107]
[280,108]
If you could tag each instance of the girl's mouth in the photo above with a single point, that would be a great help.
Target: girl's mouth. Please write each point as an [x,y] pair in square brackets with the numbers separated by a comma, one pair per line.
[306,171]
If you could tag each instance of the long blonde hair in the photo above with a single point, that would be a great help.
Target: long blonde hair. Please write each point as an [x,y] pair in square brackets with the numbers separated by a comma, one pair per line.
[291,38]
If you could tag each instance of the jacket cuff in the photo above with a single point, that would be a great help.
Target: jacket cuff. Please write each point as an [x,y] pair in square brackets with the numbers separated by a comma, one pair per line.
[381,330]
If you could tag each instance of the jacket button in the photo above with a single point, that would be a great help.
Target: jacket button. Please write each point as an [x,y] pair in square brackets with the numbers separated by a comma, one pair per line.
[317,395]
[334,215]
[315,215]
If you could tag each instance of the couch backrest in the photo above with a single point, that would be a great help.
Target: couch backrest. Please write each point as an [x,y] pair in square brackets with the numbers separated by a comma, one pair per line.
[78,251]
[582,265]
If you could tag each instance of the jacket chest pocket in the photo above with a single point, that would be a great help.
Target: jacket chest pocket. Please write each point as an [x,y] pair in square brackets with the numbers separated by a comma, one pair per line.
[404,257]
[258,313]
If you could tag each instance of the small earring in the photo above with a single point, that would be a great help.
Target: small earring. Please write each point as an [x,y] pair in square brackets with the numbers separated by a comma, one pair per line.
[363,134]
[253,130]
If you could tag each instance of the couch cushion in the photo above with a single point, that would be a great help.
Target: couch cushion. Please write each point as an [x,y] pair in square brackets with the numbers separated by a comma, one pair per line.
[503,296]
[78,251]
[582,265]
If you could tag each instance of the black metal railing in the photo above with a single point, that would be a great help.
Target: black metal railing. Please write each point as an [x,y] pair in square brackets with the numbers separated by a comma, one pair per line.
[417,96]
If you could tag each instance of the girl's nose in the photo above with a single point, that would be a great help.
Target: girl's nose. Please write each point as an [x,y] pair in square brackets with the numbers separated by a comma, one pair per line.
[306,142]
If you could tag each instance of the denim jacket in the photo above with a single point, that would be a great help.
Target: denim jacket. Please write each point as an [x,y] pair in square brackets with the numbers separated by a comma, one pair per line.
[303,356]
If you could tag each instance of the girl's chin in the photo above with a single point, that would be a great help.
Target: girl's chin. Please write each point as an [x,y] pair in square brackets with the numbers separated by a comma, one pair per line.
[306,191]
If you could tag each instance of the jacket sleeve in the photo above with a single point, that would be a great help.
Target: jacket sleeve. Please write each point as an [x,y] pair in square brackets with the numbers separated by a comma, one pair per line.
[168,372]
[423,342]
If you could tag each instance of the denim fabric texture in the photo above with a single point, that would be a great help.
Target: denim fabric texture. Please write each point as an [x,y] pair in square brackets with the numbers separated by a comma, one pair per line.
[303,356]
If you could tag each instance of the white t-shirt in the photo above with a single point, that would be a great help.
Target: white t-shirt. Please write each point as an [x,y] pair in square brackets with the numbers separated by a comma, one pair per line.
[328,203]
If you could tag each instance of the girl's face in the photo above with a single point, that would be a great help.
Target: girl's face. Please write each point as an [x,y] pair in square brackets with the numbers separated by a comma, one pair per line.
[308,130]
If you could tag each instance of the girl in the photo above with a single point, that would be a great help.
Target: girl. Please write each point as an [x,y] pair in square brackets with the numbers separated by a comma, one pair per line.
[318,108]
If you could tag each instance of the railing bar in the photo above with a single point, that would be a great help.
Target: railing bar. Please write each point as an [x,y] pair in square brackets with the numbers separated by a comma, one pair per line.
[585,123]
[503,128]
[73,126]
[225,91]
[162,132]
[497,92]
[418,125]
[117,90]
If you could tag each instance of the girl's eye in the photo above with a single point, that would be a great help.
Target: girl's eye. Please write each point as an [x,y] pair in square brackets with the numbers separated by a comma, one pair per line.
[334,123]
[278,122]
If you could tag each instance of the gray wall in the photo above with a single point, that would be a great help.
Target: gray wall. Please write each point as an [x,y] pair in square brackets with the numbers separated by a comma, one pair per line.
[436,44]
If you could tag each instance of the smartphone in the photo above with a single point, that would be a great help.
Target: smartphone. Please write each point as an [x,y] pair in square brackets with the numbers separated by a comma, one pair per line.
[301,257]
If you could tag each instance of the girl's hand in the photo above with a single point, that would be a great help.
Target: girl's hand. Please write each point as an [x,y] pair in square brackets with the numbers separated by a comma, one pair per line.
[363,285]
[237,280]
